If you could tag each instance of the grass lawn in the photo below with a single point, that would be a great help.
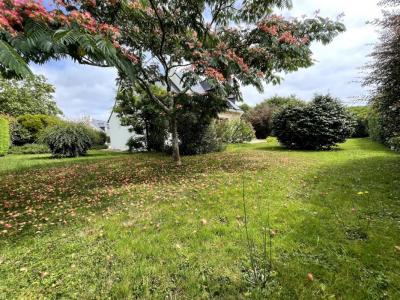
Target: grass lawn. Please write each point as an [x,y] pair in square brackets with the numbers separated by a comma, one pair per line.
[135,226]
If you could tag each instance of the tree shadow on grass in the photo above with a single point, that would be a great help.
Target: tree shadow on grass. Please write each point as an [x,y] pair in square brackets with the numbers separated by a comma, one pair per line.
[346,230]
[280,148]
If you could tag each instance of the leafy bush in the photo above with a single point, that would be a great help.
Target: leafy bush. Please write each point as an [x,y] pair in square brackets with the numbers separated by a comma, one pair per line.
[98,138]
[261,115]
[360,115]
[234,131]
[136,144]
[196,134]
[67,140]
[30,149]
[29,127]
[260,118]
[394,143]
[4,136]
[199,138]
[375,126]
[318,125]
[20,135]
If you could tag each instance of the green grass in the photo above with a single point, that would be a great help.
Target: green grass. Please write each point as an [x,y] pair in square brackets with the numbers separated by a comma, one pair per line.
[130,226]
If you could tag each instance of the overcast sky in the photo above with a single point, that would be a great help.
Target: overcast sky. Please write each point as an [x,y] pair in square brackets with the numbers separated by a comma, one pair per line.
[84,90]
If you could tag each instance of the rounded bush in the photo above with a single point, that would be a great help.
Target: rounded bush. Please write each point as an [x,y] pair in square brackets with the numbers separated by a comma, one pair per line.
[67,140]
[4,136]
[235,131]
[319,125]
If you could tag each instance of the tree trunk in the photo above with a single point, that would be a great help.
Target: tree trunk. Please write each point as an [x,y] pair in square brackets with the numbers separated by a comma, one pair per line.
[175,141]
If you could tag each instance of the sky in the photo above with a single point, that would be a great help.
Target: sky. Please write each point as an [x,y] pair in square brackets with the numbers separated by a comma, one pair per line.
[90,91]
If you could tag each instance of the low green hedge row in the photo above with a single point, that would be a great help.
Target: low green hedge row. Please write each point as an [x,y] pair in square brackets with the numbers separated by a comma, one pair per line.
[4,136]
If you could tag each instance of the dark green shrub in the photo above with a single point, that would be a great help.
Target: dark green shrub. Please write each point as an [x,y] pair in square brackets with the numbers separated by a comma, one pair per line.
[360,115]
[198,138]
[375,126]
[29,127]
[98,138]
[30,149]
[20,135]
[136,144]
[394,143]
[234,131]
[318,125]
[4,136]
[261,115]
[260,118]
[197,135]
[67,140]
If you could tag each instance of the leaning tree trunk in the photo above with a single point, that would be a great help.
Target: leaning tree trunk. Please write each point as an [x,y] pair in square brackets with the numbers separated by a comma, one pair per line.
[175,141]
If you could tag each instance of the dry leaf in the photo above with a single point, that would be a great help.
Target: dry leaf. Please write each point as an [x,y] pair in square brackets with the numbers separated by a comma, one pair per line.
[310,277]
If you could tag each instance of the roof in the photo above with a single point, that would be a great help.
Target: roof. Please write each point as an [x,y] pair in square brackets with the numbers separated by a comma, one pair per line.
[201,88]
[99,124]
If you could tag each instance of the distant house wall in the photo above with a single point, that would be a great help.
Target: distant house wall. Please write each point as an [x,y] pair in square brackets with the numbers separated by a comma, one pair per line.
[119,135]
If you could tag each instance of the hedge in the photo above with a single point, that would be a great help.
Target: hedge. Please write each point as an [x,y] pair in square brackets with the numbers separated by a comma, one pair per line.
[4,136]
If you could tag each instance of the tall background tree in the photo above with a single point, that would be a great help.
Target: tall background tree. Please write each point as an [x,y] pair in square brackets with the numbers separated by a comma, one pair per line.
[229,43]
[384,77]
[30,96]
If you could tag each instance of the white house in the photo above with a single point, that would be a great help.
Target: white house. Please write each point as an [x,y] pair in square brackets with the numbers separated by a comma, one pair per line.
[119,134]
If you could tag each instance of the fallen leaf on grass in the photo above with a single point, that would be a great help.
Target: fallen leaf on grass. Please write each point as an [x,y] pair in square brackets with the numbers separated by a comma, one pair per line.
[310,277]
[128,224]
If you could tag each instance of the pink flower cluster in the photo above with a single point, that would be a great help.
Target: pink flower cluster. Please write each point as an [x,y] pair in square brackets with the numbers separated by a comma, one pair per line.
[132,57]
[239,60]
[272,30]
[278,27]
[287,37]
[13,13]
[214,73]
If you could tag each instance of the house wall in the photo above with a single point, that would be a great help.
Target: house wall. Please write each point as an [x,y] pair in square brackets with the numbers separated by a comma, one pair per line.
[119,135]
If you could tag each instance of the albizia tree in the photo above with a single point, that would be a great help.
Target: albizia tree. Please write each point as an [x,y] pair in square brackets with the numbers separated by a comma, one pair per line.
[229,43]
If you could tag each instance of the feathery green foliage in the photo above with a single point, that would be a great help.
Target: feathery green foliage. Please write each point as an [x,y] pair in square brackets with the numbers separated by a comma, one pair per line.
[11,63]
[67,140]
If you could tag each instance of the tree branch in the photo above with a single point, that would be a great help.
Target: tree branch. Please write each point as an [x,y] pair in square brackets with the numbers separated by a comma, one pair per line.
[160,56]
[143,84]
[87,61]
